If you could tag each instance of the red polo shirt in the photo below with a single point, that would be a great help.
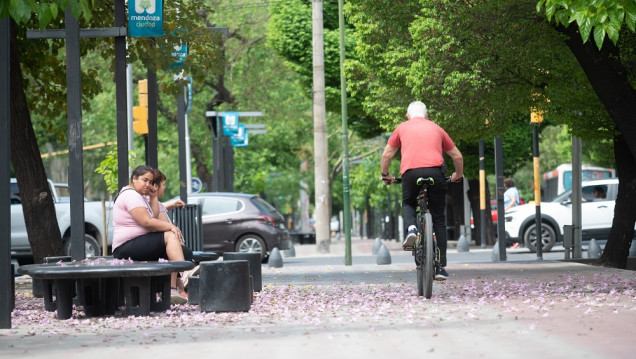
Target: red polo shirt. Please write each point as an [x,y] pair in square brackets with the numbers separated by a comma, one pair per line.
[421,143]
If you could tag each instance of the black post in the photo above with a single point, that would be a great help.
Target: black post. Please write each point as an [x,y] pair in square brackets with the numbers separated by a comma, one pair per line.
[217,155]
[183,188]
[75,153]
[6,286]
[228,169]
[482,195]
[538,223]
[501,230]
[396,217]
[121,96]
[152,159]
[146,152]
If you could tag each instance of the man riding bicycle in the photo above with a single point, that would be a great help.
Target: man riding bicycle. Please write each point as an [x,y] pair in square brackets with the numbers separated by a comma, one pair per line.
[422,143]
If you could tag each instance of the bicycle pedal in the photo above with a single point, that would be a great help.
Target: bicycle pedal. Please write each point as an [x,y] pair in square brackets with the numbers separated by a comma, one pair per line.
[408,248]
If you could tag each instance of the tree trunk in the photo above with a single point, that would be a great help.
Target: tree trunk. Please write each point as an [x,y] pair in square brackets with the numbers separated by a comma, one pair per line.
[608,79]
[37,201]
[321,179]
[617,248]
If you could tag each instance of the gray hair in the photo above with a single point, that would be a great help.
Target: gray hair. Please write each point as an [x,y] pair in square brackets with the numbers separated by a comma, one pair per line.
[417,109]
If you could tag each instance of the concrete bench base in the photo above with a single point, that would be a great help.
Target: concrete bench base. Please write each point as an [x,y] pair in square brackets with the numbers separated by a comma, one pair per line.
[225,286]
[254,260]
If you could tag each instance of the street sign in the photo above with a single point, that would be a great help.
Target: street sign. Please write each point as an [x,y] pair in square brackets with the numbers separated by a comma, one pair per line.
[197,185]
[230,123]
[145,18]
[240,138]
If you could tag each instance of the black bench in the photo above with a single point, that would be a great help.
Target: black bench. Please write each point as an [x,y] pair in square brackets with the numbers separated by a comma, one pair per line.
[145,286]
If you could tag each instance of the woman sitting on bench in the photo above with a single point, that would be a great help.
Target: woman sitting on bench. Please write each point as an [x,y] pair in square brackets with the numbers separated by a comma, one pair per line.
[139,234]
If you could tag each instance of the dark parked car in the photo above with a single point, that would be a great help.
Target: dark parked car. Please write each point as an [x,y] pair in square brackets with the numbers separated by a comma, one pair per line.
[237,222]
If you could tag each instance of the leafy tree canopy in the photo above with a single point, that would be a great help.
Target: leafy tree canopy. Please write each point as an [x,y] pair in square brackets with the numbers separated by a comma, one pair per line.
[593,17]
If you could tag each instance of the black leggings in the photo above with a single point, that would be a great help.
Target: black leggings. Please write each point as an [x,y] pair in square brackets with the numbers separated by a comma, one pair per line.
[147,247]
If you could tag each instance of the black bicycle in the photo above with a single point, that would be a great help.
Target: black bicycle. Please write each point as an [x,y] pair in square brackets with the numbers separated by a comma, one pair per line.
[425,251]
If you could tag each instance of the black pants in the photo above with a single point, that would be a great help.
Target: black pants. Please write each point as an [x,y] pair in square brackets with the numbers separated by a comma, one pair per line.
[436,203]
[147,247]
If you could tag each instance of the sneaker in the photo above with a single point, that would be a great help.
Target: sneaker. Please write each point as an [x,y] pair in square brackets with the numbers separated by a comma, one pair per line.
[176,297]
[440,273]
[515,245]
[411,236]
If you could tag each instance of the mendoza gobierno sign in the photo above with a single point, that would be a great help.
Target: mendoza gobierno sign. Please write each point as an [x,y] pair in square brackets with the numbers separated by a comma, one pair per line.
[145,18]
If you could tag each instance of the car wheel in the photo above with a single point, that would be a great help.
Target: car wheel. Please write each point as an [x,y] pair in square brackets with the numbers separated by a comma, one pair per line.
[252,244]
[91,246]
[548,237]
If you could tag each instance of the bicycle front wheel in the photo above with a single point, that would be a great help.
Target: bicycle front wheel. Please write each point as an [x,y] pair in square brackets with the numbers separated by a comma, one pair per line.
[428,274]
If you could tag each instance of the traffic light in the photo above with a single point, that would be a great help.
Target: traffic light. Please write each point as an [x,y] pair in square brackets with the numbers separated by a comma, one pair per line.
[536,116]
[140,113]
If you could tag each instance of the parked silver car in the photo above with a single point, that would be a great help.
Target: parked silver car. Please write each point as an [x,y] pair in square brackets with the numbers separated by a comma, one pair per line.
[238,222]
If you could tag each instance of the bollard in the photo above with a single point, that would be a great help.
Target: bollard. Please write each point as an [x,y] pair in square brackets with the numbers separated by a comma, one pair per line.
[193,289]
[291,252]
[462,244]
[495,252]
[225,286]
[275,260]
[632,249]
[376,246]
[593,249]
[384,257]
[254,260]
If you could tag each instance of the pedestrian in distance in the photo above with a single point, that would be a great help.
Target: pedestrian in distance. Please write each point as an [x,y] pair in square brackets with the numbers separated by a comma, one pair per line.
[511,195]
[422,144]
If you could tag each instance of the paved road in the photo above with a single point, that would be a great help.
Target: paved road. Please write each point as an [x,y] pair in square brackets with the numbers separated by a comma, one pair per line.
[316,307]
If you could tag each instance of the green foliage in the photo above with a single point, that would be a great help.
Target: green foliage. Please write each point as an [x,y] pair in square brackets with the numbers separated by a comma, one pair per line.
[108,168]
[593,17]
[289,32]
[47,11]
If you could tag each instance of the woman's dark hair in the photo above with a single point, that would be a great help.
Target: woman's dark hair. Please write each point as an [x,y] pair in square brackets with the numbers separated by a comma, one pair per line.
[140,171]
[159,177]
[509,183]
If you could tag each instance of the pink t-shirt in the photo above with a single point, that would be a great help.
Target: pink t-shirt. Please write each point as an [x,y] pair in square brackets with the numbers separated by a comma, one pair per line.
[125,227]
[421,142]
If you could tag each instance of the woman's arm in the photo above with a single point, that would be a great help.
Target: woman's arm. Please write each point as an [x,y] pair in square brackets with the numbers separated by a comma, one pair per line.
[174,204]
[141,216]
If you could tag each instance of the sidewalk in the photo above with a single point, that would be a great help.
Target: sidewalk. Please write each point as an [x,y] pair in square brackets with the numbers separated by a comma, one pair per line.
[317,307]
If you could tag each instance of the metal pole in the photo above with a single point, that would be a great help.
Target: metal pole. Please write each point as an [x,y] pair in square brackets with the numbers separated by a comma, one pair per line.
[345,140]
[467,232]
[75,147]
[577,216]
[501,230]
[129,109]
[151,138]
[121,97]
[6,287]
[537,190]
[183,190]
[482,195]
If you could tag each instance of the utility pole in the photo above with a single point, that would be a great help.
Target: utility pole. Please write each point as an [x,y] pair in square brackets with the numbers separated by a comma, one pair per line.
[320,132]
[345,140]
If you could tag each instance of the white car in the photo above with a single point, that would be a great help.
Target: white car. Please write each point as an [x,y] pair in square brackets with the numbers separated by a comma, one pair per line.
[597,211]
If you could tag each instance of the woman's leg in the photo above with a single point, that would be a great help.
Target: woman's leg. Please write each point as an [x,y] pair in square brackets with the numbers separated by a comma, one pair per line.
[174,252]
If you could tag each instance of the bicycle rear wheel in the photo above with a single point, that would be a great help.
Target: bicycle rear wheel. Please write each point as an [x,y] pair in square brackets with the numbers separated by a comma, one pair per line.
[428,274]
